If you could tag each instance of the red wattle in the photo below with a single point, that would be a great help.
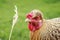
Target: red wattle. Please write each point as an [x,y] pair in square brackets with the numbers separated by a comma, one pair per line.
[33,26]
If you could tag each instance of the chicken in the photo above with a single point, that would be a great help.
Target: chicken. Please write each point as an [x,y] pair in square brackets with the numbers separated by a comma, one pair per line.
[42,29]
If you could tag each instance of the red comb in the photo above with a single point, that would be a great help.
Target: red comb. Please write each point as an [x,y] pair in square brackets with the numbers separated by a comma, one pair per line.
[29,16]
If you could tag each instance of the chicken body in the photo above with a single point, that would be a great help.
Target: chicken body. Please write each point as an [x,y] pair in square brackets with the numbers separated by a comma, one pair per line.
[47,29]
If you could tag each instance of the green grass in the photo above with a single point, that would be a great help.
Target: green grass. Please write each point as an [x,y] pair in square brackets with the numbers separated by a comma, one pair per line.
[50,9]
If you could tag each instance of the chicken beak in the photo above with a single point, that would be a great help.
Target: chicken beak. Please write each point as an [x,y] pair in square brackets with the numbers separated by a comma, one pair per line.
[27,20]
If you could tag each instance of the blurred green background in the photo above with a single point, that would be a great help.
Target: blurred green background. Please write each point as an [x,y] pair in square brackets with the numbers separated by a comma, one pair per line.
[50,9]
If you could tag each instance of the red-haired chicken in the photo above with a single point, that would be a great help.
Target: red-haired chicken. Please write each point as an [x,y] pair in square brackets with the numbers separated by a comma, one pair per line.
[41,29]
